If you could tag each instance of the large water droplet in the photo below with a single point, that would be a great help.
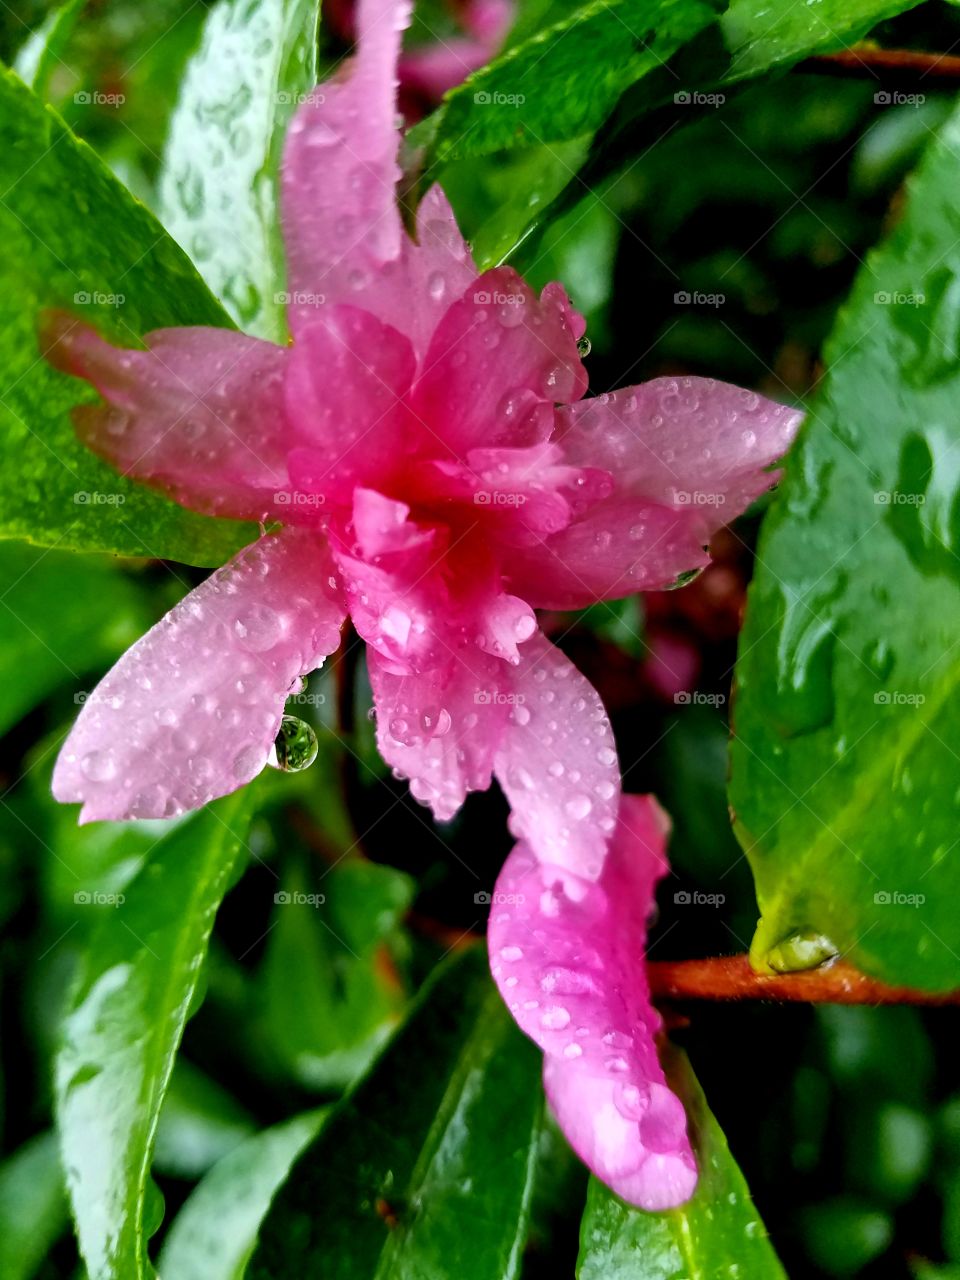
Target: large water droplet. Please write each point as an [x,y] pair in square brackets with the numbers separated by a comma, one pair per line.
[259,627]
[802,949]
[295,747]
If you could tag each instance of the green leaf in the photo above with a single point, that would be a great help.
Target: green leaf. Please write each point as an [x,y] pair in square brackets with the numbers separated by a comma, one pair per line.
[698,1241]
[710,51]
[761,36]
[219,187]
[42,52]
[44,645]
[134,993]
[330,998]
[33,1207]
[844,764]
[425,1169]
[213,1235]
[75,238]
[563,81]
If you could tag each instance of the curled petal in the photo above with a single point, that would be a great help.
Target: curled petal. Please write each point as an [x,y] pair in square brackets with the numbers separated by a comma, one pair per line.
[567,955]
[687,455]
[199,414]
[498,354]
[557,763]
[192,710]
[346,379]
[439,729]
[340,216]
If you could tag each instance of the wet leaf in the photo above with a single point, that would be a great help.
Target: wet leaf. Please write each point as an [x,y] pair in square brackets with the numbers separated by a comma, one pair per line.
[134,994]
[844,761]
[424,1171]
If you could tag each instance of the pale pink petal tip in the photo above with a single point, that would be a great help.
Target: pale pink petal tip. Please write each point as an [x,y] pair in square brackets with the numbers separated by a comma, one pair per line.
[192,710]
[567,956]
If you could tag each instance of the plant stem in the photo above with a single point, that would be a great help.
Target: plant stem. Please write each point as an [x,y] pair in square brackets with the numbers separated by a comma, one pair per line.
[867,59]
[732,978]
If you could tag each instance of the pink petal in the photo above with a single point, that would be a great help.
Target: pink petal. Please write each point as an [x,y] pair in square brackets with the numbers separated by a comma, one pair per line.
[199,414]
[440,729]
[497,355]
[346,378]
[687,455]
[339,210]
[567,956]
[192,710]
[557,763]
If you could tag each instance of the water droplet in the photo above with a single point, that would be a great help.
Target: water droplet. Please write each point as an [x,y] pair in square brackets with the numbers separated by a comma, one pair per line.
[578,807]
[511,954]
[259,627]
[555,1018]
[99,766]
[437,285]
[802,949]
[584,347]
[295,747]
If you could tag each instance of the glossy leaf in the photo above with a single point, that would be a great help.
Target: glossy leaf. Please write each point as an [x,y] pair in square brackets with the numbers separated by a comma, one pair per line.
[424,1171]
[847,739]
[137,981]
[534,93]
[48,644]
[214,1233]
[33,1207]
[716,1235]
[331,994]
[74,238]
[218,193]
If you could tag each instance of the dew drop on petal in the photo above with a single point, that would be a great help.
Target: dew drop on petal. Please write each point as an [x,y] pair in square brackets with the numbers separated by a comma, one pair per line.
[295,747]
[99,766]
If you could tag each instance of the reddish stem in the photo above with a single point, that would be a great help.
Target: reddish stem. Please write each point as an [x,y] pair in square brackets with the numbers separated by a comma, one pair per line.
[732,978]
[910,62]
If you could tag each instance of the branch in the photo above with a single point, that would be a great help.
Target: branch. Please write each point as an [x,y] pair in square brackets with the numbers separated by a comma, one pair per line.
[732,978]
[867,59]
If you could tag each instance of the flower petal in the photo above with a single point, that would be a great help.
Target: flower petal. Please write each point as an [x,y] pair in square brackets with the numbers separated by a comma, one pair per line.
[498,354]
[191,711]
[199,414]
[345,382]
[340,216]
[440,728]
[557,763]
[567,955]
[687,455]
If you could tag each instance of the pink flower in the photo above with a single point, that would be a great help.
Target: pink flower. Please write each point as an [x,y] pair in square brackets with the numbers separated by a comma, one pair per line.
[428,71]
[438,476]
[567,955]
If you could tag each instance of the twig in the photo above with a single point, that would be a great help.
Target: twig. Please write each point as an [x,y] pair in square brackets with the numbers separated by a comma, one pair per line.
[732,978]
[867,59]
